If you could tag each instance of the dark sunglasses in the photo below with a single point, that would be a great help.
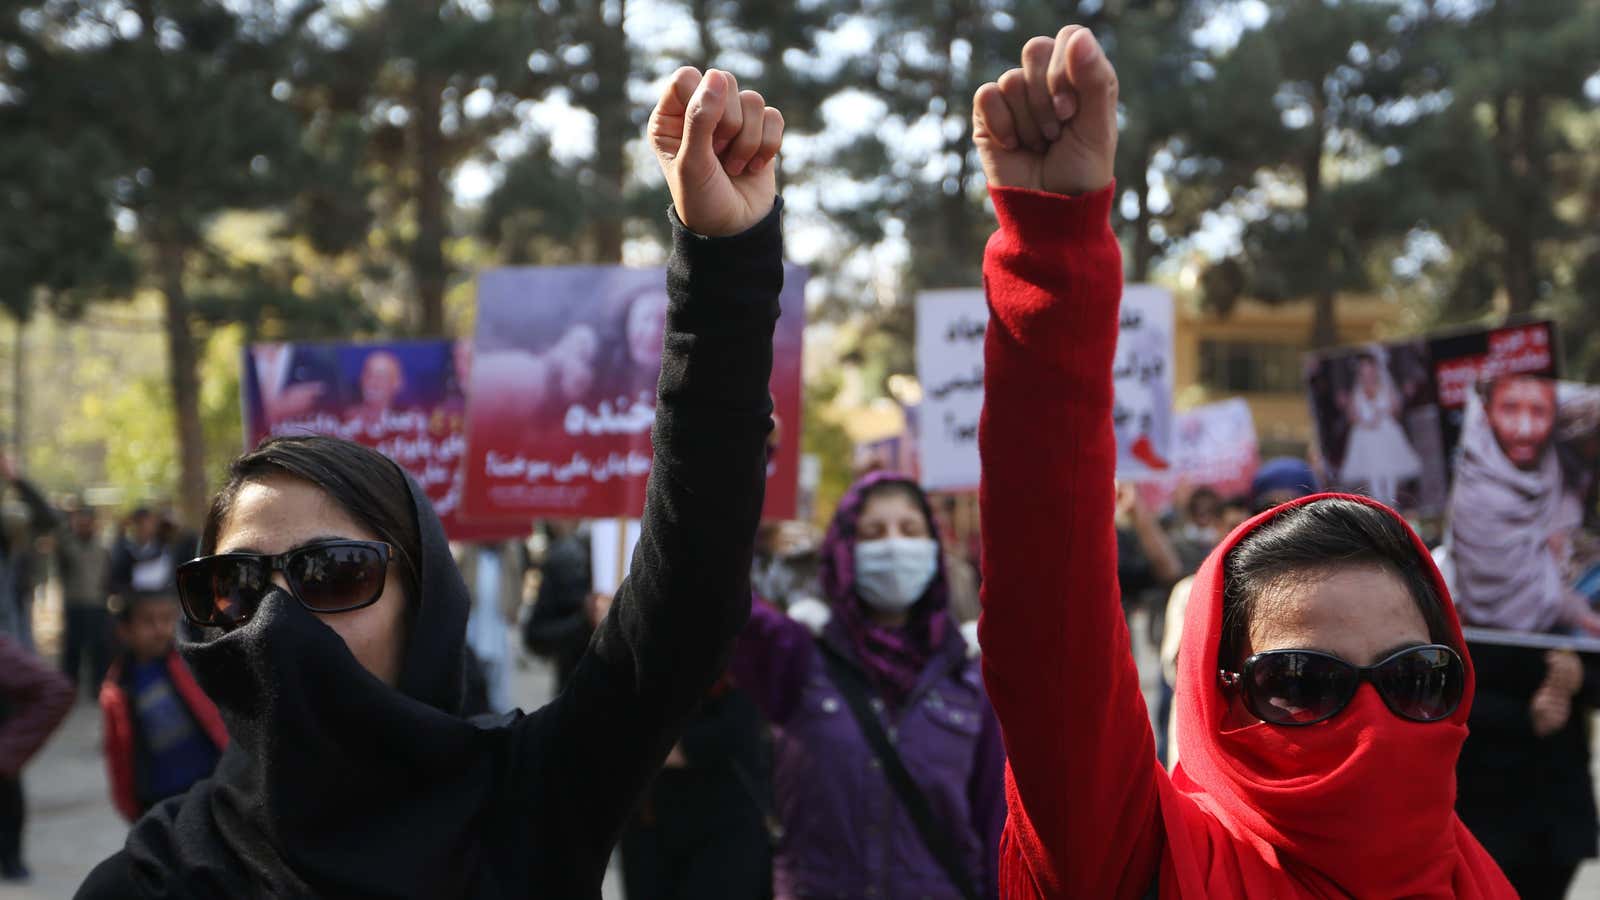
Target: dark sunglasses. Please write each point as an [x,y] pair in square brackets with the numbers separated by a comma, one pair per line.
[1303,687]
[223,591]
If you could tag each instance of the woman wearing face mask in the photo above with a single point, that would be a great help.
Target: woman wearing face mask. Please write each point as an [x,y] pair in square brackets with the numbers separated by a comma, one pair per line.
[333,616]
[1322,688]
[886,649]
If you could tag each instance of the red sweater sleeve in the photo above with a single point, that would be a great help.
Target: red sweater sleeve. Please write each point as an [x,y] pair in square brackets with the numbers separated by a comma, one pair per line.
[1081,777]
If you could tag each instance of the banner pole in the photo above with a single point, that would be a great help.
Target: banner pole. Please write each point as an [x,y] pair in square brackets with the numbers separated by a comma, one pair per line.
[622,550]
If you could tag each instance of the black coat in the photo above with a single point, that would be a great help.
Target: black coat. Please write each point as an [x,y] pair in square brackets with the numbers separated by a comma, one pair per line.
[1529,800]
[558,625]
[337,785]
[702,830]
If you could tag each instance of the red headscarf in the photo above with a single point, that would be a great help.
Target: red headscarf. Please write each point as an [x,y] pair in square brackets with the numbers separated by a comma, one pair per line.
[1362,805]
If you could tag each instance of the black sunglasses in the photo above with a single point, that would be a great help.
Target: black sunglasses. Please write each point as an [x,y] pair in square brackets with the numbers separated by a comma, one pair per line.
[223,591]
[1303,687]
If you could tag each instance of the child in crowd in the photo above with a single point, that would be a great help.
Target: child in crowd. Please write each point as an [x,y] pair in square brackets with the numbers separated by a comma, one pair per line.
[162,734]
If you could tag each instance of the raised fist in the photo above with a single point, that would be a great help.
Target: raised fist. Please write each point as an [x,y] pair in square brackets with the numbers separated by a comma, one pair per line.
[716,146]
[1052,124]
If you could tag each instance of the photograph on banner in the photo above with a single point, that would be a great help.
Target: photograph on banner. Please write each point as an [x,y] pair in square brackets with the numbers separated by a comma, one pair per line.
[1214,447]
[1523,548]
[564,387]
[1376,413]
[950,330]
[1463,360]
[405,399]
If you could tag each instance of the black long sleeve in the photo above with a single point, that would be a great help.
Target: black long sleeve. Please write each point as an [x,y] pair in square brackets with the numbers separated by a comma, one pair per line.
[592,751]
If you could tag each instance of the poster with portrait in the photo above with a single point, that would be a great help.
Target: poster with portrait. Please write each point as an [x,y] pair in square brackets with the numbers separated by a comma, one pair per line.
[1376,412]
[1388,416]
[405,399]
[564,389]
[1463,360]
[950,331]
[1523,554]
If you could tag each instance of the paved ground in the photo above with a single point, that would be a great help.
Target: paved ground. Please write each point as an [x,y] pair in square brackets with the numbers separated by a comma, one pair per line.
[71,824]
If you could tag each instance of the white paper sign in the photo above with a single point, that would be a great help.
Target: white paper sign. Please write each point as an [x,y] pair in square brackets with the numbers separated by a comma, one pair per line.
[950,328]
[1141,412]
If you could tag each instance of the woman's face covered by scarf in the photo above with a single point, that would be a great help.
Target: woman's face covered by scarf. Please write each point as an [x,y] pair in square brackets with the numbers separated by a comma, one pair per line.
[896,556]
[1360,614]
[278,514]
[1361,804]
[1522,412]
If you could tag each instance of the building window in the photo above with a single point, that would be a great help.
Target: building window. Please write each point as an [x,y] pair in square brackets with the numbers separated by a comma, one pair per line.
[1245,367]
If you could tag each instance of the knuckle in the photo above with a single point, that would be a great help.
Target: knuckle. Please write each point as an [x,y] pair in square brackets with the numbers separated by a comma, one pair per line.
[1039,46]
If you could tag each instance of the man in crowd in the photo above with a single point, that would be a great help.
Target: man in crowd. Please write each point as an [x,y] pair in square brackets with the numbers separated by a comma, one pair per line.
[83,561]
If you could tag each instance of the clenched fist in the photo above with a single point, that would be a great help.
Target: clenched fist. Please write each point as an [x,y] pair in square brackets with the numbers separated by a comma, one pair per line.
[1052,124]
[716,146]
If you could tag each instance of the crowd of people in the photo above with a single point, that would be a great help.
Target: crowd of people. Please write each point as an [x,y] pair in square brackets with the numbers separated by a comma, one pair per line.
[758,712]
[117,643]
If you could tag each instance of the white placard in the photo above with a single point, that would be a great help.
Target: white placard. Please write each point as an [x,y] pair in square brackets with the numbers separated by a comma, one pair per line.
[950,328]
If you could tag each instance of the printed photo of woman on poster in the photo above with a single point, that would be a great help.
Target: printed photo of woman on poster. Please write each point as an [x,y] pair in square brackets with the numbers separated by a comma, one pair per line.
[1524,491]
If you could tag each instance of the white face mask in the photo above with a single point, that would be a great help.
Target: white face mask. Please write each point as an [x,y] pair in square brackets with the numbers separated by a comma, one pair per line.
[893,573]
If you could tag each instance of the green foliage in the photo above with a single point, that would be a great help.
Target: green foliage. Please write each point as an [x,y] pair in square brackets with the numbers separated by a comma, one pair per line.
[829,442]
[1441,153]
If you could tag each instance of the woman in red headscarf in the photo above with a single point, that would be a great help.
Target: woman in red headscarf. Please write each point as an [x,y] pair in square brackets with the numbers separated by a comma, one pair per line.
[1323,686]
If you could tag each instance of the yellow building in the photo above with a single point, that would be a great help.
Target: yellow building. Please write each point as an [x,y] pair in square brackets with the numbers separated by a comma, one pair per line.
[1258,352]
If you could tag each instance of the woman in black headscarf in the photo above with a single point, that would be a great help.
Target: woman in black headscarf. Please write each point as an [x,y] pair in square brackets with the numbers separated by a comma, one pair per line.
[335,617]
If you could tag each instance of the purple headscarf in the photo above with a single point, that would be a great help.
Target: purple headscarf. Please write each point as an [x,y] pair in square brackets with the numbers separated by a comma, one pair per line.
[894,657]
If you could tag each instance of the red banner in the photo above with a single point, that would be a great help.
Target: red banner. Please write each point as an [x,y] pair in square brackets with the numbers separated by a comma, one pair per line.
[404,399]
[563,392]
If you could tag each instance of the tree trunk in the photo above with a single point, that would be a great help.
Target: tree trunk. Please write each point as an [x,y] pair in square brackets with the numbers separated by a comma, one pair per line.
[1524,177]
[181,361]
[19,395]
[954,265]
[1324,315]
[703,18]
[1144,249]
[428,268]
[613,128]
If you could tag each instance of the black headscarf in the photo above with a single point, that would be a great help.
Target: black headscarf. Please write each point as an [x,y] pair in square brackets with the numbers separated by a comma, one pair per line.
[336,784]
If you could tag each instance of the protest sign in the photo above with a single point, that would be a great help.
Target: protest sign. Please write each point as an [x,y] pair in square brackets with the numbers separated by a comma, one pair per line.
[950,330]
[1376,414]
[1214,446]
[564,392]
[1388,416]
[1463,360]
[1523,554]
[1141,412]
[403,399]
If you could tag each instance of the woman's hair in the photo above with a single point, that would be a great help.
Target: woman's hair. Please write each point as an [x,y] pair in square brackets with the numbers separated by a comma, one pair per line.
[1310,541]
[363,482]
